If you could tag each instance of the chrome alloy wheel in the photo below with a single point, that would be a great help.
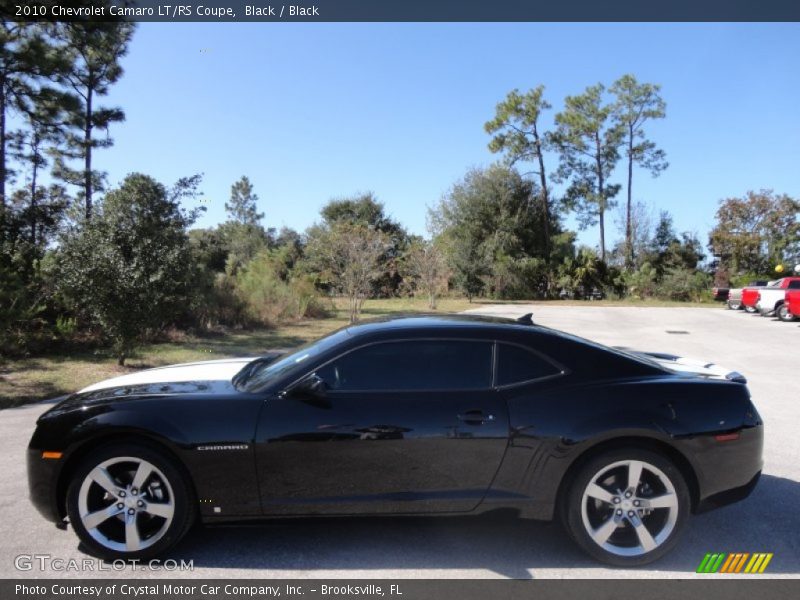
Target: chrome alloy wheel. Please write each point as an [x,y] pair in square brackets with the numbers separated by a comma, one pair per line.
[629,508]
[126,504]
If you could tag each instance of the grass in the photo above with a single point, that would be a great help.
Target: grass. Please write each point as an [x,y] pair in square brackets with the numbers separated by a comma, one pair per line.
[40,377]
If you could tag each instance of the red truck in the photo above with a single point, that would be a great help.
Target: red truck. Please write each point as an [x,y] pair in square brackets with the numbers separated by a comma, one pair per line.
[791,307]
[750,295]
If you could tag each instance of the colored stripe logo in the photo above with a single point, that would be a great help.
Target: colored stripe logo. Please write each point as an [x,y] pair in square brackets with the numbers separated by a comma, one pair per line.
[736,562]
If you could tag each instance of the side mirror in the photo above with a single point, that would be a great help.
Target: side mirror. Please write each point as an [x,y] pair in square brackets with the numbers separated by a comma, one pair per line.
[312,390]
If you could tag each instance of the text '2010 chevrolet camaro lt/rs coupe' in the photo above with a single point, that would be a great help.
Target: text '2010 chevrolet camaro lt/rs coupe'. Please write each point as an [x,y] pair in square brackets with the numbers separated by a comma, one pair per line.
[415,415]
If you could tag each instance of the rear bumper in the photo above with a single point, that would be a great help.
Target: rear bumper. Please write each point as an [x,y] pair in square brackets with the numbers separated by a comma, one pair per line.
[721,499]
[726,471]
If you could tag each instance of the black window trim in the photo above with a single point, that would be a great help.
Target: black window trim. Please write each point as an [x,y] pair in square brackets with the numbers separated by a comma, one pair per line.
[562,370]
[489,387]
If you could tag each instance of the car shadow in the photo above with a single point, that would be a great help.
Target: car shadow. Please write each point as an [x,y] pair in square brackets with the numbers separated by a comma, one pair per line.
[768,521]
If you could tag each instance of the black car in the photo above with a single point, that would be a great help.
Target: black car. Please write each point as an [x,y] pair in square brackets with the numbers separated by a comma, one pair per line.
[433,415]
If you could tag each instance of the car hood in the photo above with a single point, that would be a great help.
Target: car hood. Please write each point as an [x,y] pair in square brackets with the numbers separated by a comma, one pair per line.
[204,371]
[688,366]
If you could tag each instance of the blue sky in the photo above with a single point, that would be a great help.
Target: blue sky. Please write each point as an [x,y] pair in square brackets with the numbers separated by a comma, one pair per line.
[315,111]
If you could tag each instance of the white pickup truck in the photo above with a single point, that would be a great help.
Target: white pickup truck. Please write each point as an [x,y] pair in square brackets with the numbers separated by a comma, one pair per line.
[735,294]
[771,298]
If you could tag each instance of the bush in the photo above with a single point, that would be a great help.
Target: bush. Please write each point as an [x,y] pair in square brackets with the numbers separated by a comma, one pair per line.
[586,273]
[215,301]
[519,278]
[685,285]
[24,328]
[268,299]
[66,326]
[642,283]
[128,269]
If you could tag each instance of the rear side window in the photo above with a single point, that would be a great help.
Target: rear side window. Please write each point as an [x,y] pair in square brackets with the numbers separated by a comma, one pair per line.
[516,364]
[794,285]
[412,365]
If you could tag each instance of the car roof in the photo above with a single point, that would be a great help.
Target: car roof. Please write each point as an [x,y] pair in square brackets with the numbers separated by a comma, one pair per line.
[583,355]
[437,321]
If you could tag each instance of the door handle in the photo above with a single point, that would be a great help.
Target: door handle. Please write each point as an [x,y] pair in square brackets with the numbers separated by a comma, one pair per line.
[475,417]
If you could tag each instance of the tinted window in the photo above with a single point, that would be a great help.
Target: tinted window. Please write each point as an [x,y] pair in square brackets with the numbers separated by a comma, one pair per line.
[422,365]
[516,364]
[794,285]
[258,375]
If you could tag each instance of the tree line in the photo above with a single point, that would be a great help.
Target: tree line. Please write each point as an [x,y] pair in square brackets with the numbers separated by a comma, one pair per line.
[86,266]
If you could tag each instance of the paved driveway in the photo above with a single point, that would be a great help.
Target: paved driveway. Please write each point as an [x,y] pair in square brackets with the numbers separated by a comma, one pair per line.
[496,546]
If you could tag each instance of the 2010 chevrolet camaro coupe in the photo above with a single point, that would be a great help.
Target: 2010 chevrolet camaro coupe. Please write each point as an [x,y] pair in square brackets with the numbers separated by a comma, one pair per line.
[414,415]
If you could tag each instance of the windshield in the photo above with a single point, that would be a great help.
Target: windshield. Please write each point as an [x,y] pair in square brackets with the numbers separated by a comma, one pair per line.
[260,375]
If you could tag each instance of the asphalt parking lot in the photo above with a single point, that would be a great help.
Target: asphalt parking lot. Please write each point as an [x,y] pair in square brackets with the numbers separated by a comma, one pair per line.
[765,350]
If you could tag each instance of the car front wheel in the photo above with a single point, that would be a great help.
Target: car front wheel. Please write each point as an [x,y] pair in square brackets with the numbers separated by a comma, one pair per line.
[784,314]
[627,507]
[734,304]
[127,501]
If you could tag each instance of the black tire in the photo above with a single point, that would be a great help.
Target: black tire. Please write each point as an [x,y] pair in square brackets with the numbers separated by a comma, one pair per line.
[734,305]
[750,309]
[624,538]
[177,490]
[783,313]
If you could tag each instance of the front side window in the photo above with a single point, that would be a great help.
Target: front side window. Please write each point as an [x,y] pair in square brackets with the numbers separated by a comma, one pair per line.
[516,364]
[412,365]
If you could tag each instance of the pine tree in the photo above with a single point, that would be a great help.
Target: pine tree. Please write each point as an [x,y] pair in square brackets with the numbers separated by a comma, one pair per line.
[243,233]
[44,114]
[517,132]
[588,141]
[243,205]
[636,104]
[95,49]
[25,57]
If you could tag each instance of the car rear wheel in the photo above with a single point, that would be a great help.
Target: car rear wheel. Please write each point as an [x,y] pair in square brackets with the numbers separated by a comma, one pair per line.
[627,507]
[127,501]
[734,304]
[750,309]
[784,314]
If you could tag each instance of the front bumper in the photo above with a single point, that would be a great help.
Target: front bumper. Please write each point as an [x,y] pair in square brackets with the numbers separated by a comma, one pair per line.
[42,484]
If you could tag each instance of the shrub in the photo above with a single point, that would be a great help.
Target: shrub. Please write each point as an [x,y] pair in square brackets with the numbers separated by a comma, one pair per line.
[269,300]
[215,301]
[642,283]
[128,269]
[685,285]
[66,326]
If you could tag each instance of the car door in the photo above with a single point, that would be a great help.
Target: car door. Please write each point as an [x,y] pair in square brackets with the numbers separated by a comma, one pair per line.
[406,426]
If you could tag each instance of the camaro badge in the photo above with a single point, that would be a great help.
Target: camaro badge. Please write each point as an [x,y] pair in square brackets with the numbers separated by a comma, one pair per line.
[224,447]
